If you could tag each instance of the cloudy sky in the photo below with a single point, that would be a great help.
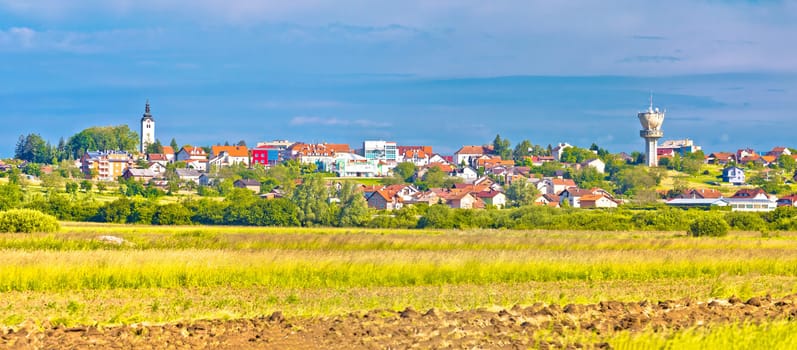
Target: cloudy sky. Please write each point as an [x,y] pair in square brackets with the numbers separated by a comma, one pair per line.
[443,73]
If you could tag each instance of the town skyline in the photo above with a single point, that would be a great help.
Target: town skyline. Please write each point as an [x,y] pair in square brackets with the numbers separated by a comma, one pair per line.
[412,72]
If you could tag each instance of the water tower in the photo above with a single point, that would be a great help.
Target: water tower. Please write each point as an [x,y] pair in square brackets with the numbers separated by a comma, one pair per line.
[651,121]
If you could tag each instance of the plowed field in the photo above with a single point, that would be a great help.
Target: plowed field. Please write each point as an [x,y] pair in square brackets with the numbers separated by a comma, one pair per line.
[537,326]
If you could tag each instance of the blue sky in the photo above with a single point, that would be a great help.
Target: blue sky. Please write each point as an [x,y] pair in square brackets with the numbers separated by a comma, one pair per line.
[443,73]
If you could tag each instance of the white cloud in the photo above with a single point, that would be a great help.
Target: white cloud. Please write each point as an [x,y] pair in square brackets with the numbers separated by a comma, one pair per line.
[17,38]
[477,38]
[319,121]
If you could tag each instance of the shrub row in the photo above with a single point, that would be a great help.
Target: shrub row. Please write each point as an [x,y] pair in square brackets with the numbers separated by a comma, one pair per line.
[284,212]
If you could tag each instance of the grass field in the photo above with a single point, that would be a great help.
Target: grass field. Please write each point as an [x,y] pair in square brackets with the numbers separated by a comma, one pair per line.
[166,274]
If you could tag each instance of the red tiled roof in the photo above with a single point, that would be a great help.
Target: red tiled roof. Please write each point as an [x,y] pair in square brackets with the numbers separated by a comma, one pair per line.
[194,151]
[564,182]
[320,149]
[168,150]
[703,193]
[749,193]
[475,150]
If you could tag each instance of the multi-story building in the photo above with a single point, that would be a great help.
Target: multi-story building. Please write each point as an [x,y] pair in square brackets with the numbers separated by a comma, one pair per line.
[380,151]
[681,147]
[105,165]
[321,154]
[271,153]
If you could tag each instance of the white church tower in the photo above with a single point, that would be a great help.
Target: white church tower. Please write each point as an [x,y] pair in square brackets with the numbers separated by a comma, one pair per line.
[147,129]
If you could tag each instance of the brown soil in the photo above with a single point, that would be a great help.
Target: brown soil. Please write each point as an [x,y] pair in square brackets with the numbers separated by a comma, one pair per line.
[518,327]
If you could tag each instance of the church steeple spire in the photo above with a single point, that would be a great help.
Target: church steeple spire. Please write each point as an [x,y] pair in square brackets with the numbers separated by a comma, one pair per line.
[147,129]
[147,113]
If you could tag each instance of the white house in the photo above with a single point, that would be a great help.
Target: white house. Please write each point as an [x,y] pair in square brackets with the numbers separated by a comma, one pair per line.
[467,174]
[225,156]
[436,158]
[597,201]
[467,154]
[554,185]
[559,149]
[191,153]
[188,175]
[596,163]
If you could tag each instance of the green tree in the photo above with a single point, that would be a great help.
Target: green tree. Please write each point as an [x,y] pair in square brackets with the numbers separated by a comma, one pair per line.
[311,198]
[86,185]
[522,150]
[102,138]
[71,187]
[33,148]
[405,171]
[577,155]
[353,207]
[10,196]
[174,146]
[521,193]
[172,214]
[786,162]
[434,177]
[589,177]
[711,226]
[437,216]
[502,147]
[634,179]
[155,147]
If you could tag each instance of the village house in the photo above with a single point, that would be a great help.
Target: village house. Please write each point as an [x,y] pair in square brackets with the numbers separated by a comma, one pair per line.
[206,179]
[159,158]
[776,152]
[559,150]
[755,199]
[193,157]
[554,185]
[436,158]
[156,168]
[418,155]
[188,175]
[249,184]
[572,196]
[140,175]
[384,200]
[105,165]
[787,201]
[467,154]
[226,156]
[495,198]
[168,152]
[355,165]
[463,200]
[467,174]
[701,193]
[323,155]
[721,158]
[599,200]
[734,175]
[191,153]
[550,200]
[596,163]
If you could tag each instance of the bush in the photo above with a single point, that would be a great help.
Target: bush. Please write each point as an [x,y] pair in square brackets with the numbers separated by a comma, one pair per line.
[27,220]
[709,226]
[745,221]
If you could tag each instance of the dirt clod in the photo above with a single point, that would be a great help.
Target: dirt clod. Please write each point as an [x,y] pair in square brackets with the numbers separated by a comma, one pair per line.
[518,328]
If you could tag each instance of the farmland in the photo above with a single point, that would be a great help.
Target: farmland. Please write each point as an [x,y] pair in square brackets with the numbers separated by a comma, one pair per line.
[310,277]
